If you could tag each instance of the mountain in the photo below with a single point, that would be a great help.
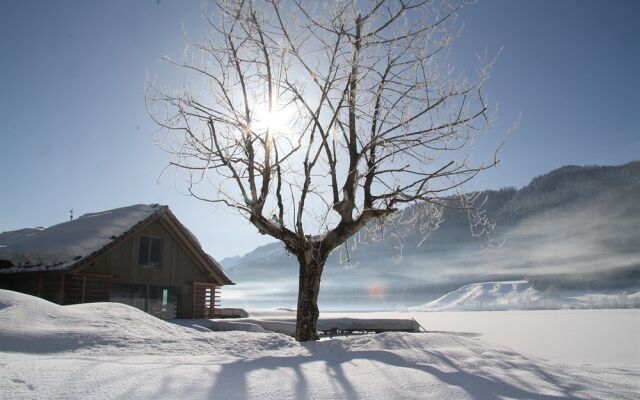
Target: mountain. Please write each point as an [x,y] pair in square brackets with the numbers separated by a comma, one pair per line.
[520,295]
[580,223]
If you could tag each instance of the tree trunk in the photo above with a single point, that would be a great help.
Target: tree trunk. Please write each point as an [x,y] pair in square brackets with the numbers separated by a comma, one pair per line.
[311,266]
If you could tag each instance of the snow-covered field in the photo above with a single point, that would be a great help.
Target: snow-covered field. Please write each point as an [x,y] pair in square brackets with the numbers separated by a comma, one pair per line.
[106,350]
[603,338]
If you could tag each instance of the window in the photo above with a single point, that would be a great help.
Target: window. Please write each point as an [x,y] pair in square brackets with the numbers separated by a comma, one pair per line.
[149,251]
[162,302]
[133,295]
[159,301]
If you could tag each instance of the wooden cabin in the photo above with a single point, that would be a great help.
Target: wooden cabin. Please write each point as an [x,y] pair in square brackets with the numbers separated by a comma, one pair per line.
[139,255]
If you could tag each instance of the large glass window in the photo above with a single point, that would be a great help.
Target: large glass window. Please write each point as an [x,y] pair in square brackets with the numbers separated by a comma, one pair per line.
[163,302]
[133,295]
[149,251]
[159,301]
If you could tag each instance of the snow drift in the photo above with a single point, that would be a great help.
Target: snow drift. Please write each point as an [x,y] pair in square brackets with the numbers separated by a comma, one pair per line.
[32,325]
[520,295]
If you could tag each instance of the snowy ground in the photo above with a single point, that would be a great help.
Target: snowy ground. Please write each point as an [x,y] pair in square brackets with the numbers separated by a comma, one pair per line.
[109,350]
[603,338]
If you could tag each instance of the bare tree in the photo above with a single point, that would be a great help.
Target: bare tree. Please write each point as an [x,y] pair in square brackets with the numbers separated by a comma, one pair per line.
[315,121]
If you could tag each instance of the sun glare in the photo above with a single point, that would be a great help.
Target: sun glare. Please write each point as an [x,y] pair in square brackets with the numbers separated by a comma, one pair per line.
[278,122]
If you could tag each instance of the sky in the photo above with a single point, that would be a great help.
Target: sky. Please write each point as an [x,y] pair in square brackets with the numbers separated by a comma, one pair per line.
[75,134]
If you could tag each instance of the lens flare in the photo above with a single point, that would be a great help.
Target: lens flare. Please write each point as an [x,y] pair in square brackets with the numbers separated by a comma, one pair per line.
[376,290]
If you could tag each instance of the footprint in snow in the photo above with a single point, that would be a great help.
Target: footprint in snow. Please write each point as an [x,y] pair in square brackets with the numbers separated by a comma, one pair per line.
[20,381]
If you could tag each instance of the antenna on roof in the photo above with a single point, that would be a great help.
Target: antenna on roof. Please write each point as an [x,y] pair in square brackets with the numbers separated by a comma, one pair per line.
[71,215]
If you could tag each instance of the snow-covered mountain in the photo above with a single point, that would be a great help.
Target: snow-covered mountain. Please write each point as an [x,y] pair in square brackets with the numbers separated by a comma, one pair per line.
[576,223]
[520,295]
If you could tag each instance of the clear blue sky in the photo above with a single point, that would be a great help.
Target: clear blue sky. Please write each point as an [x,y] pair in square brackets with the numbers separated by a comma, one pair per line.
[74,132]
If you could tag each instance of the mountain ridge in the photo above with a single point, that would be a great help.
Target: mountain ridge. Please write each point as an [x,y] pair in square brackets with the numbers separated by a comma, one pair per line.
[520,295]
[573,220]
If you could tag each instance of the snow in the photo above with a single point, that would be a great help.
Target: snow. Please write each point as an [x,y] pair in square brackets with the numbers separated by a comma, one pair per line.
[34,325]
[519,295]
[603,338]
[284,321]
[12,236]
[195,239]
[213,260]
[107,350]
[60,246]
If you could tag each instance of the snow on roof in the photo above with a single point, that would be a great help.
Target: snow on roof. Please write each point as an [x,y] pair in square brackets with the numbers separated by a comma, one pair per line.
[12,236]
[192,236]
[214,261]
[60,246]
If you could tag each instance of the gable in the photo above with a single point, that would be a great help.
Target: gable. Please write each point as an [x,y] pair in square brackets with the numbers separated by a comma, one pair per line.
[181,258]
[193,247]
[121,261]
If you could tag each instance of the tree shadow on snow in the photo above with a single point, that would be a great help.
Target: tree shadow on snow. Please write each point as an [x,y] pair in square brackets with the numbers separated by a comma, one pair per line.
[232,381]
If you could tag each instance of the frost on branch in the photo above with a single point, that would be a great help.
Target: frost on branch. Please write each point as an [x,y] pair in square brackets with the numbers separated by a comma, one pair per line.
[318,122]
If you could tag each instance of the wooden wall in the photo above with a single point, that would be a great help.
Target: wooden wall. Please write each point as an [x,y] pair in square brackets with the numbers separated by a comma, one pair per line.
[62,288]
[176,266]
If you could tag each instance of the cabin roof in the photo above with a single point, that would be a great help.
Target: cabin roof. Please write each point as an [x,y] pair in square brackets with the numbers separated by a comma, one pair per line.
[68,245]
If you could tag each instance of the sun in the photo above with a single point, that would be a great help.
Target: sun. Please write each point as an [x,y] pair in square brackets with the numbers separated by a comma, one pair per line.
[278,121]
